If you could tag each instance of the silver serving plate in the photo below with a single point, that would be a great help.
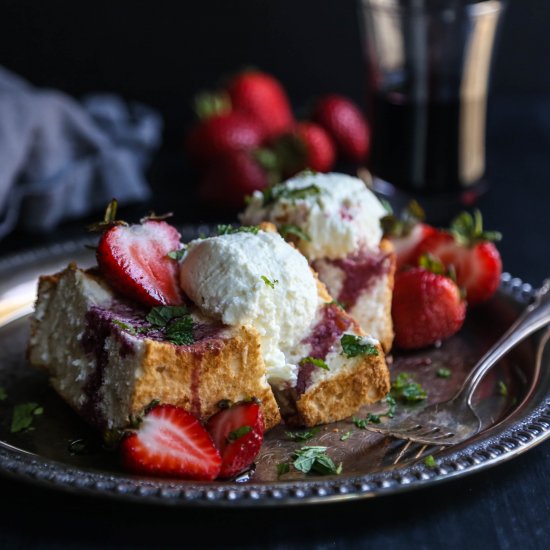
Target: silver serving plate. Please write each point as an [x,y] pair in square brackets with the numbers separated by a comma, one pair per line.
[373,465]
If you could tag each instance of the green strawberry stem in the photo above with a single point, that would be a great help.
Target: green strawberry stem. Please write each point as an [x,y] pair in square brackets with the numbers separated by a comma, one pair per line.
[209,104]
[468,230]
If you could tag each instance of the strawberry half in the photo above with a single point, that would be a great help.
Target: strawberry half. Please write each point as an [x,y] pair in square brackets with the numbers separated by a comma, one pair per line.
[170,442]
[238,433]
[426,307]
[134,259]
[470,251]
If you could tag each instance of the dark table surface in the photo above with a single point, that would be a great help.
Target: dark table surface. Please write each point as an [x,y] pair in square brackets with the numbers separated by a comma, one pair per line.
[506,507]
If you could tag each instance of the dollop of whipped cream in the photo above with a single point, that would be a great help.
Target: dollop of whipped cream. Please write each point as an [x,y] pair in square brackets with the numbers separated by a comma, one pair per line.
[336,213]
[257,280]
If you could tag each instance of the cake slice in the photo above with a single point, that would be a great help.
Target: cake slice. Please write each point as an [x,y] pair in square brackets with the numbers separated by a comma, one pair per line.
[334,220]
[108,362]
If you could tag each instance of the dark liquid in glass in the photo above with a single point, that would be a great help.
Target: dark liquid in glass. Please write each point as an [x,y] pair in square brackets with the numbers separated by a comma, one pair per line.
[428,146]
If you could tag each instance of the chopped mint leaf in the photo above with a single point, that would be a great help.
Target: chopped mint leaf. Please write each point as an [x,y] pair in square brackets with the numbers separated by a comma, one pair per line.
[238,433]
[430,462]
[315,362]
[23,416]
[353,346]
[226,229]
[392,405]
[176,322]
[405,389]
[177,254]
[371,418]
[280,191]
[161,315]
[180,331]
[443,373]
[346,436]
[314,459]
[502,389]
[268,282]
[360,423]
[341,305]
[3,394]
[282,469]
[302,436]
[130,328]
[289,229]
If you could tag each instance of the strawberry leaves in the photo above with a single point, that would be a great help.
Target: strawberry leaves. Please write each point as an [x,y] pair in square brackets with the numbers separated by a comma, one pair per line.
[468,230]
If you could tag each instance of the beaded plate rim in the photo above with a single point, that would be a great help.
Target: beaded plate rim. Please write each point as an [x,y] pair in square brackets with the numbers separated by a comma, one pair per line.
[500,445]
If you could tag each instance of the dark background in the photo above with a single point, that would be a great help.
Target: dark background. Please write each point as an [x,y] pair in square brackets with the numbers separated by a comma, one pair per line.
[162,53]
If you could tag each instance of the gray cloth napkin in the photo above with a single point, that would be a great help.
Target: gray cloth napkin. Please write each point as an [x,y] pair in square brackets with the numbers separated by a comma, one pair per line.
[60,159]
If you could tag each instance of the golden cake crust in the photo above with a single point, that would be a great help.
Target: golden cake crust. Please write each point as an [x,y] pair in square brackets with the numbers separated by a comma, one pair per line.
[344,393]
[197,381]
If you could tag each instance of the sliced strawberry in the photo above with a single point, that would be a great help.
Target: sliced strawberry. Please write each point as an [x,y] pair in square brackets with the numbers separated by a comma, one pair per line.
[427,307]
[407,246]
[469,249]
[237,432]
[134,259]
[170,442]
[407,232]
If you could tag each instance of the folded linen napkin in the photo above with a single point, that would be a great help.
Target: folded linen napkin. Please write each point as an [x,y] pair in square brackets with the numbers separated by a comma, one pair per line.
[61,159]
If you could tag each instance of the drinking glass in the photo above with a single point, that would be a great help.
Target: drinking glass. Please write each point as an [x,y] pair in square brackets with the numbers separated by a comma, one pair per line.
[428,64]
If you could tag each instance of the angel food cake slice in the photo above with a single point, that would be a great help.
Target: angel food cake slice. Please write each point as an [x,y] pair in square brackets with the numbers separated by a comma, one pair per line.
[318,361]
[109,357]
[334,220]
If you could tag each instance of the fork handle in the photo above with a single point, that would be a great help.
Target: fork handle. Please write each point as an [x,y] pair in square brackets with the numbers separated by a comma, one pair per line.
[534,317]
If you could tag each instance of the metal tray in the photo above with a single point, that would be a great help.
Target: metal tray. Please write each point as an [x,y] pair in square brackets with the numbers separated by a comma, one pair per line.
[511,424]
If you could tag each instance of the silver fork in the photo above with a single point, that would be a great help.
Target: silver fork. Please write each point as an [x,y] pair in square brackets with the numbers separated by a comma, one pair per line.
[455,420]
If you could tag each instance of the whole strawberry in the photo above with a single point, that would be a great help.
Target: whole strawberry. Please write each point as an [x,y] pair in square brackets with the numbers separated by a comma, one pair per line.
[427,307]
[472,253]
[170,442]
[306,146]
[232,177]
[134,259]
[221,134]
[238,433]
[320,153]
[345,123]
[262,96]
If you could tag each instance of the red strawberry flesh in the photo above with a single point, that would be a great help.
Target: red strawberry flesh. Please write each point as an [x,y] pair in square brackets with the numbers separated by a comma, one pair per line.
[171,442]
[238,434]
[134,259]
[478,267]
